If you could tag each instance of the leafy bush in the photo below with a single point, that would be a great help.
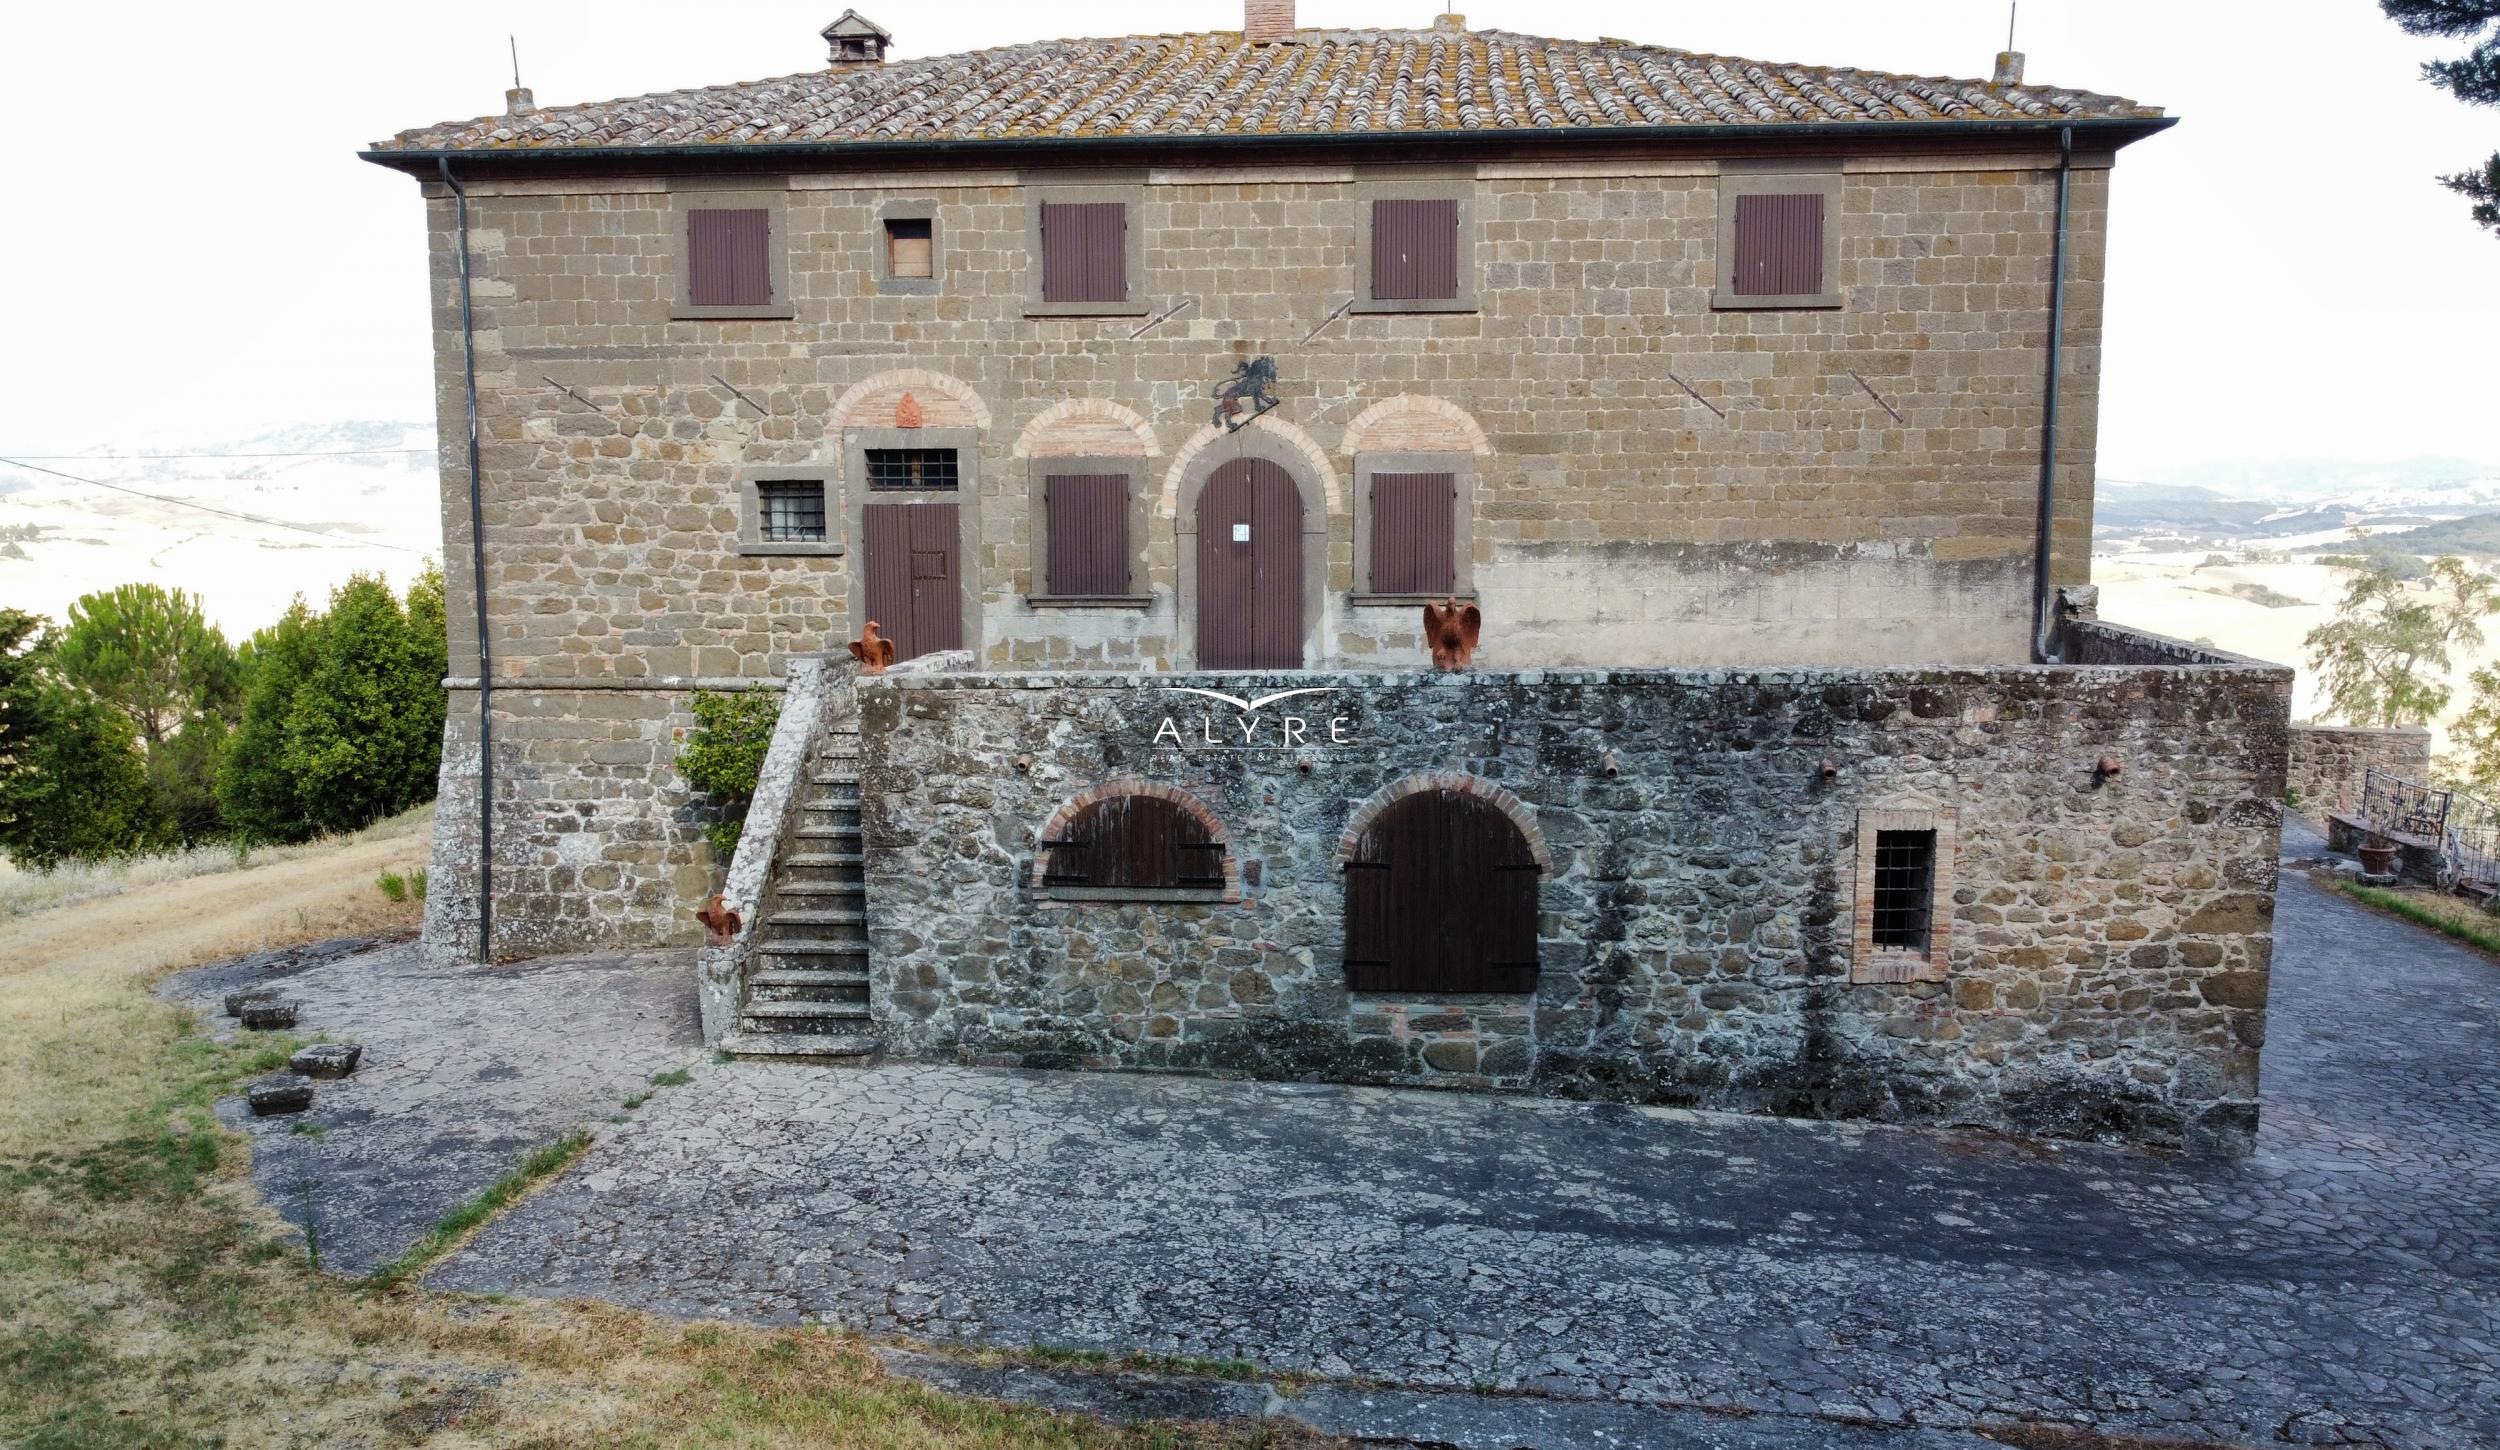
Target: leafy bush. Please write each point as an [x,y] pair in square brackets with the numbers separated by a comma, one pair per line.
[724,756]
[393,885]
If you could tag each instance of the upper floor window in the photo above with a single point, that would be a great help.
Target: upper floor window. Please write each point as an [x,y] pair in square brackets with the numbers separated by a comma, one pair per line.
[1779,240]
[906,247]
[1084,253]
[1418,252]
[910,247]
[791,511]
[731,259]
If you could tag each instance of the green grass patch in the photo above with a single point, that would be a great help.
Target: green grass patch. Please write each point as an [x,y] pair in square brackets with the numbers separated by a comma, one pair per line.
[2469,924]
[677,1077]
[546,1163]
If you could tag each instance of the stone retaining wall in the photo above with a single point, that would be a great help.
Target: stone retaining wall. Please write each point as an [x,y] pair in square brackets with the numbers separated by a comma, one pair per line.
[2108,939]
[2328,762]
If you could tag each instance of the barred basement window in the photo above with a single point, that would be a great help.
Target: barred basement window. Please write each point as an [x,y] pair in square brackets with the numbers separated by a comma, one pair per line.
[790,511]
[1905,884]
[908,469]
[1903,907]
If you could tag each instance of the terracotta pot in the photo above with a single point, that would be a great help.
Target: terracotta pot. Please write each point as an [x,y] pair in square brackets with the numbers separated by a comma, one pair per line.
[2379,860]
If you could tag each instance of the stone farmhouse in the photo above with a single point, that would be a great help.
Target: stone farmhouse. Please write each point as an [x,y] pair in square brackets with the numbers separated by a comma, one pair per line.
[1143,390]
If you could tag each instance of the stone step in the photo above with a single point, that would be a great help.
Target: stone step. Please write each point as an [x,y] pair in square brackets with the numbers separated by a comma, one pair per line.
[839,1046]
[816,916]
[841,813]
[826,1017]
[835,776]
[814,946]
[822,888]
[825,860]
[827,833]
[810,978]
[831,998]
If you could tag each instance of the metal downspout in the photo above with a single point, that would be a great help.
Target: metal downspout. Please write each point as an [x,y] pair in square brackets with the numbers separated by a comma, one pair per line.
[477,591]
[2043,603]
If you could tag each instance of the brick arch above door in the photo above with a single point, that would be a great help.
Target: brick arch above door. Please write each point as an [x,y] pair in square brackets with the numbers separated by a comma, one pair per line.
[1086,428]
[1521,814]
[1415,423]
[1271,438]
[945,401]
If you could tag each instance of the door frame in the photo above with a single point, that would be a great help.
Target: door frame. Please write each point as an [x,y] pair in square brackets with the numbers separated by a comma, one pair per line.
[966,496]
[1261,444]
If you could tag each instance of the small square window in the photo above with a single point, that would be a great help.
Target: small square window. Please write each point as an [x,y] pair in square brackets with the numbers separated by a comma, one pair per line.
[790,511]
[896,470]
[910,247]
[1905,886]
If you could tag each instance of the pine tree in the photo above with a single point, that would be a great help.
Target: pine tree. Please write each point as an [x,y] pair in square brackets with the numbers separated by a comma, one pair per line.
[149,653]
[262,799]
[365,737]
[73,783]
[2473,78]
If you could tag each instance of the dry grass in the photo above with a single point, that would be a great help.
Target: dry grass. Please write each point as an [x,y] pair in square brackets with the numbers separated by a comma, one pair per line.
[148,1299]
[23,892]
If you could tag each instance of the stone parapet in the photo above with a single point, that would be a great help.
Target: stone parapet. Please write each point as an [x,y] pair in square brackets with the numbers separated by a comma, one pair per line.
[2329,763]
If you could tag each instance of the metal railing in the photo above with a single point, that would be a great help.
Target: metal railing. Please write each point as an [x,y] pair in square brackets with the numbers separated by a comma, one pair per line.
[2404,807]
[2472,843]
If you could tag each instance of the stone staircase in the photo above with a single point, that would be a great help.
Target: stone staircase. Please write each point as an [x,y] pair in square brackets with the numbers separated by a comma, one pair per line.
[806,988]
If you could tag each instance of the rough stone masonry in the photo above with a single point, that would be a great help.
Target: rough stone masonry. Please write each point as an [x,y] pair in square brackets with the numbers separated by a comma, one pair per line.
[2105,965]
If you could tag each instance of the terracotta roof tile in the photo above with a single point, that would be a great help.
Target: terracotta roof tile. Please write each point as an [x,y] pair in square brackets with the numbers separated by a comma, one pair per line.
[1322,82]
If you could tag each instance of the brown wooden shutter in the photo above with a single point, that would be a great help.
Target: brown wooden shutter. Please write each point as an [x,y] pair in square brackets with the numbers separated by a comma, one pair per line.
[1086,515]
[1441,896]
[912,582]
[1415,250]
[1779,245]
[1085,251]
[729,257]
[1134,841]
[1413,550]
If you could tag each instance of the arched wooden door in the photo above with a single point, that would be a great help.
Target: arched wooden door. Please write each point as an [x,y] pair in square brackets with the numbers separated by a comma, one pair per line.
[1250,568]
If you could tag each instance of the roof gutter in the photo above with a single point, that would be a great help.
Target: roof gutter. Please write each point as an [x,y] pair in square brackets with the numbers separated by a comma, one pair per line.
[2114,131]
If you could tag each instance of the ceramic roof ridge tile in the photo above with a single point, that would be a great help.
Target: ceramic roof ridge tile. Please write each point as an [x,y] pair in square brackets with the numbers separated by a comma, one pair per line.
[1351,82]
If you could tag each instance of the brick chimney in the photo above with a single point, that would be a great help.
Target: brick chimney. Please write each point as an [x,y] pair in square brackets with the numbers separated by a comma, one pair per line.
[2009,68]
[1265,22]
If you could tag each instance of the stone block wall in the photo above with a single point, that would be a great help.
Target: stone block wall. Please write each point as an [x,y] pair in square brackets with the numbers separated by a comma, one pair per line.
[2109,937]
[1783,515]
[2329,762]
[598,842]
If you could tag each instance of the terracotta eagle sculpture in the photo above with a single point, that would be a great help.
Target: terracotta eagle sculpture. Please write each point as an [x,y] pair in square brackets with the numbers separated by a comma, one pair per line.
[720,924]
[873,653]
[1450,630]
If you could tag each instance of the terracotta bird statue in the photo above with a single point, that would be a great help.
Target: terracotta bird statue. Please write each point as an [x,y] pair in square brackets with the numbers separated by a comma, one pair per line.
[873,653]
[720,924]
[1450,629]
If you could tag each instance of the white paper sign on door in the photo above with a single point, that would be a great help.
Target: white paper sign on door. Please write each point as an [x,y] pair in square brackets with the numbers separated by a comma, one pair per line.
[1241,533]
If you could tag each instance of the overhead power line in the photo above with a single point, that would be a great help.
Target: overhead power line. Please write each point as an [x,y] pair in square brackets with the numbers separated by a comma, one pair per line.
[212,509]
[154,457]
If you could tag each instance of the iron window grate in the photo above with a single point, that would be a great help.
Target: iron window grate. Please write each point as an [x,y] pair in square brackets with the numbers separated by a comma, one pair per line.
[896,470]
[1905,888]
[791,512]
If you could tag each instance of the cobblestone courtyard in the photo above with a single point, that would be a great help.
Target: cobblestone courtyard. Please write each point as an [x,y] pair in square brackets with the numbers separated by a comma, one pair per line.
[2339,1287]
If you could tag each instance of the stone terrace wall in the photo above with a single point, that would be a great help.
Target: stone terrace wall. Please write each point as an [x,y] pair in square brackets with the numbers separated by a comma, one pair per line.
[2109,938]
[2328,762]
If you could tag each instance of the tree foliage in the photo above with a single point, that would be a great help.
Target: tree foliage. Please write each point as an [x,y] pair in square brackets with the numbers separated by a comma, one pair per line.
[2384,657]
[260,795]
[149,653]
[72,781]
[2473,78]
[724,756]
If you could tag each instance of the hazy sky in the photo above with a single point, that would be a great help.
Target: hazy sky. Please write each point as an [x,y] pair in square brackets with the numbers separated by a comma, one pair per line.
[197,254]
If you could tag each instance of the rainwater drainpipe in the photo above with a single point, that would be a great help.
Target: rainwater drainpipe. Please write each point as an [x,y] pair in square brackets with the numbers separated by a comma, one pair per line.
[477,591]
[2043,602]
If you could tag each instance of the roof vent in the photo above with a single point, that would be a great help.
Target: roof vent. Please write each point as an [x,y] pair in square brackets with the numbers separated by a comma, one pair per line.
[1265,22]
[2009,68]
[1449,20]
[856,40]
[518,101]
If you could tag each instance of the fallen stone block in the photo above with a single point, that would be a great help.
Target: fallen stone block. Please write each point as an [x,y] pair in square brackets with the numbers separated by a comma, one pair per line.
[237,1001]
[268,1014]
[327,1059]
[288,1094]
